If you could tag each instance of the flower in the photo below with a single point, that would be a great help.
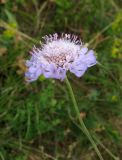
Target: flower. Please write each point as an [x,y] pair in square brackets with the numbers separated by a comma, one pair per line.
[57,55]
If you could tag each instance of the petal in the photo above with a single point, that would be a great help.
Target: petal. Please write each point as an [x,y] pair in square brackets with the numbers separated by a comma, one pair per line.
[79,69]
[38,73]
[32,69]
[33,73]
[28,63]
[90,58]
[61,73]
[31,80]
[49,71]
[84,50]
[30,77]
[79,73]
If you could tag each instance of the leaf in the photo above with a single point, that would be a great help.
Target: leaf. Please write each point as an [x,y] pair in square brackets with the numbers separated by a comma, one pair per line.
[11,18]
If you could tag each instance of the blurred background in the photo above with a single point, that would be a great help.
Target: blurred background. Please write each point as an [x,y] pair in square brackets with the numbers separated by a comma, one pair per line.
[37,120]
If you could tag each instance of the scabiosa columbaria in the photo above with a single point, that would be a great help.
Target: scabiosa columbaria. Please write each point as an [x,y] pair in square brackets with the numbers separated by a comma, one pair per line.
[57,55]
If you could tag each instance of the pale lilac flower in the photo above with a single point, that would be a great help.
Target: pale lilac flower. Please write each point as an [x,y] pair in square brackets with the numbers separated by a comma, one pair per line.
[58,55]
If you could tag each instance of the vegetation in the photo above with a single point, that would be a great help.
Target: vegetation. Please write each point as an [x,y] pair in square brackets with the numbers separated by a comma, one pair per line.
[37,120]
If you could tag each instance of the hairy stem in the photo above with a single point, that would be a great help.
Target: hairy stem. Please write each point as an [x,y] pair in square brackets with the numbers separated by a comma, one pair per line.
[85,130]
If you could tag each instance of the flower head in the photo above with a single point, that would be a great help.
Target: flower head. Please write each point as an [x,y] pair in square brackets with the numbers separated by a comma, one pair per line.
[57,55]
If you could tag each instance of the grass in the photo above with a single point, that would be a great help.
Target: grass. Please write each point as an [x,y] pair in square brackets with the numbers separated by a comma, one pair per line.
[34,119]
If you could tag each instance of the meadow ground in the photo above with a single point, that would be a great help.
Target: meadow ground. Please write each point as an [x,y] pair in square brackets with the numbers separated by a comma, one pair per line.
[37,120]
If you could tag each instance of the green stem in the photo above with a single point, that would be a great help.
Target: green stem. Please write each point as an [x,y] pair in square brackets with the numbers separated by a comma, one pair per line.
[106,149]
[85,130]
[96,139]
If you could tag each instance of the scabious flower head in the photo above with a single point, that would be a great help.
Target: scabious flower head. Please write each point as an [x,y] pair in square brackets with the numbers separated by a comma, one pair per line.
[57,55]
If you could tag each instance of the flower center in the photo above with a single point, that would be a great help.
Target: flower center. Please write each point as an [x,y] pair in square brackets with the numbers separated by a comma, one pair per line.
[58,60]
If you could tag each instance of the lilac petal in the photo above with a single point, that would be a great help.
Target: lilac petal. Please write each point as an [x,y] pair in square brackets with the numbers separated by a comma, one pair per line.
[84,50]
[49,71]
[33,73]
[78,69]
[28,63]
[90,58]
[31,80]
[38,73]
[30,77]
[61,73]
[79,73]
[32,69]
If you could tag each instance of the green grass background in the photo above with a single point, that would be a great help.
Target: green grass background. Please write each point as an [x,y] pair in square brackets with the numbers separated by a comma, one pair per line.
[37,119]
